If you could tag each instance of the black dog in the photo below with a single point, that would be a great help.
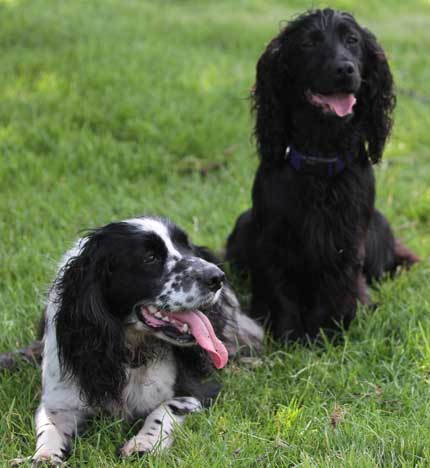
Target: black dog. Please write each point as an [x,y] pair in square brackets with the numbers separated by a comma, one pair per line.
[323,100]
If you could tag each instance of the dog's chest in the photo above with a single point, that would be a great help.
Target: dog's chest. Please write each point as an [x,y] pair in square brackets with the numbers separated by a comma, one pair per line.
[149,385]
[337,216]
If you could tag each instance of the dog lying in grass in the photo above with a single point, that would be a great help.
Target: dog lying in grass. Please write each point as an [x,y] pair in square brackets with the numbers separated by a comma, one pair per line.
[136,320]
[323,100]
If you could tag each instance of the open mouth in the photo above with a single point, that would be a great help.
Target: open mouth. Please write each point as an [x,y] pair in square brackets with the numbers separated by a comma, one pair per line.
[186,327]
[340,104]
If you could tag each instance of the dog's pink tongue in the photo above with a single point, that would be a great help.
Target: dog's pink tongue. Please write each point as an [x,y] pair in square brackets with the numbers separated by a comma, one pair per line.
[202,330]
[341,104]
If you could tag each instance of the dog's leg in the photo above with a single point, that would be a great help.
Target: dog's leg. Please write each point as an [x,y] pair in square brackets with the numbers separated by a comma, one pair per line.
[241,333]
[335,303]
[404,256]
[287,322]
[60,413]
[362,291]
[157,431]
[384,253]
[276,302]
[55,429]
[31,353]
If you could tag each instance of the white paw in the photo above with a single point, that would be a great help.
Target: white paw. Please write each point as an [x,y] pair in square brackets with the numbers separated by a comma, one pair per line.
[142,444]
[15,462]
[46,459]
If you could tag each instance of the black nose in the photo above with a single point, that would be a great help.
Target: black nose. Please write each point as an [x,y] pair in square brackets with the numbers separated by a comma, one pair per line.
[345,68]
[213,279]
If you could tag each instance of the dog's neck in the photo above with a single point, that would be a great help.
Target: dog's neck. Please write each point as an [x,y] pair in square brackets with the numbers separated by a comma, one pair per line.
[318,165]
[325,137]
[143,348]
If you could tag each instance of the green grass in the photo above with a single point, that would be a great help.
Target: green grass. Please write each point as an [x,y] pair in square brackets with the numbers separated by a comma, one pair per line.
[110,109]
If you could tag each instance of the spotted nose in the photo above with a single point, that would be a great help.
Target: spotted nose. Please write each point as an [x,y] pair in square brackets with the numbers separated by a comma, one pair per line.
[213,279]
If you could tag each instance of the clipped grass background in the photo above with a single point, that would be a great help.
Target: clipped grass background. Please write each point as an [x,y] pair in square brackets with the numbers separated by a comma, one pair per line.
[110,109]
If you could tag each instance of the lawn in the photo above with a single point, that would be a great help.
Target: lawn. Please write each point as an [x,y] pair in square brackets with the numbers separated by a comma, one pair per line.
[115,108]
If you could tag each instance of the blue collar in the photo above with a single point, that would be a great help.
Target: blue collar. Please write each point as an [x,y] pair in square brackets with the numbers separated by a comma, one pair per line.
[328,167]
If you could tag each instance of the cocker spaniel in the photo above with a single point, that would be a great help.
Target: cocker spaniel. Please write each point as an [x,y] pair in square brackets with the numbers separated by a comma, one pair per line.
[136,320]
[323,100]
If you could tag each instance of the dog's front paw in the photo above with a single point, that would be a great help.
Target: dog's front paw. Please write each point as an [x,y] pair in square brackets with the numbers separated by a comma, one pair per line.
[17,462]
[46,459]
[140,445]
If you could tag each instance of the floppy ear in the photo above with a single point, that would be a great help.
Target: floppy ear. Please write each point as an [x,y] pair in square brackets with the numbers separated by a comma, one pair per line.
[270,103]
[90,339]
[379,98]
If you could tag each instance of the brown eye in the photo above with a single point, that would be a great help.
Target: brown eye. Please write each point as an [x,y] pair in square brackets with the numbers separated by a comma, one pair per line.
[309,43]
[150,257]
[351,40]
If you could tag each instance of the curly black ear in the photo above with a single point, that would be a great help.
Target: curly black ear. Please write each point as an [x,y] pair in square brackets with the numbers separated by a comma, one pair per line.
[269,102]
[378,98]
[90,339]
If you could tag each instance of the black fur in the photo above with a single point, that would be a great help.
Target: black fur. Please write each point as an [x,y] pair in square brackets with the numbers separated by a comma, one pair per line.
[286,70]
[97,291]
[90,335]
[307,236]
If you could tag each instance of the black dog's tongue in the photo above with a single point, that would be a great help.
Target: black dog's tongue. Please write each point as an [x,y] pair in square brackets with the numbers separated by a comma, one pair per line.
[340,103]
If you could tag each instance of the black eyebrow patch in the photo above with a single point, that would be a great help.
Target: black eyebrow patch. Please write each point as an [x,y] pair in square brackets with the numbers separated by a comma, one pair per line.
[179,238]
[151,239]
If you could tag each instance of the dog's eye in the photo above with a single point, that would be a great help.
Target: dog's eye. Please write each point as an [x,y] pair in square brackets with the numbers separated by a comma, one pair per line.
[309,43]
[352,40]
[150,257]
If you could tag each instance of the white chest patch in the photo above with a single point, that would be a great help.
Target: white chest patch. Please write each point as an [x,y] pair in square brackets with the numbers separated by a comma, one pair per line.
[149,386]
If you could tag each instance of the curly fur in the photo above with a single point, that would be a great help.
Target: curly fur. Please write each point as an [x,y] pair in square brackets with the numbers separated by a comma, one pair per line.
[86,327]
[277,91]
[307,236]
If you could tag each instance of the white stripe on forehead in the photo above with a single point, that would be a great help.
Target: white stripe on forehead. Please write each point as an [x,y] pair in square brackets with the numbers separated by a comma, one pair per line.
[157,227]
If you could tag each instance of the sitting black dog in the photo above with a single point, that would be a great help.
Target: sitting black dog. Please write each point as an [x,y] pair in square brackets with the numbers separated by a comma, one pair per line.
[323,100]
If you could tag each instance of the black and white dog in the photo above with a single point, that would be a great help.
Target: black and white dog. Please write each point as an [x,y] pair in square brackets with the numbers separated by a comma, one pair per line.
[136,319]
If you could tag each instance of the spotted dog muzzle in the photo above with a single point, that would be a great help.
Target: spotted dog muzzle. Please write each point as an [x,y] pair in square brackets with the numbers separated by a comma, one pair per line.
[177,313]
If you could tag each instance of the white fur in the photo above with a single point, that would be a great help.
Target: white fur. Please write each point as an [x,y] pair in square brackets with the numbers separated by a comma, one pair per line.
[149,389]
[62,411]
[156,226]
[149,386]
[156,433]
